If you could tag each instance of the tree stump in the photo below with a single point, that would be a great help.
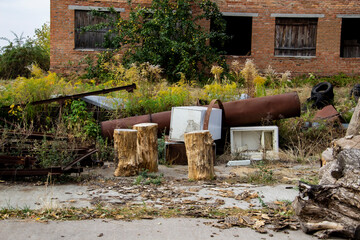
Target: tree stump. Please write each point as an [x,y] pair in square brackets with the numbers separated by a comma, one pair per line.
[147,146]
[125,150]
[200,154]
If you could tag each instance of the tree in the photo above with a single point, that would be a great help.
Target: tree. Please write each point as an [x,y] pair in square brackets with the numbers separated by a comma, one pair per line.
[170,34]
[42,37]
[19,54]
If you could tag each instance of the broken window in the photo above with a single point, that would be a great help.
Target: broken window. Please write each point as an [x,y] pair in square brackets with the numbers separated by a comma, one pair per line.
[295,36]
[94,38]
[350,38]
[239,29]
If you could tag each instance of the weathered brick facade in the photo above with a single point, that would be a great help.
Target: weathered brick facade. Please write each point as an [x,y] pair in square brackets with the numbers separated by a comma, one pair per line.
[264,12]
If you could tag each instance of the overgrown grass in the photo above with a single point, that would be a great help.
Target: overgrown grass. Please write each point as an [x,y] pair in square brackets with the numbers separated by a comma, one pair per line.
[146,178]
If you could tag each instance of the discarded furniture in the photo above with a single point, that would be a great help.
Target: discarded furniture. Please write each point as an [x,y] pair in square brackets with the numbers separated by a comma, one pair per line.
[237,113]
[200,154]
[192,118]
[175,153]
[125,144]
[254,143]
[147,146]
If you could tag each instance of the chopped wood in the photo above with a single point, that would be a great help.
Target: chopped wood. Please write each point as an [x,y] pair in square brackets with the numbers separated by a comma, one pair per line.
[200,154]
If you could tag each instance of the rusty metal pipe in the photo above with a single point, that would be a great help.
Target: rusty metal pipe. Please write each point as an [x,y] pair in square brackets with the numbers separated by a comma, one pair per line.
[237,113]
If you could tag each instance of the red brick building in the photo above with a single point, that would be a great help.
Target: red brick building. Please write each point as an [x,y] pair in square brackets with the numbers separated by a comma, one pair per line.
[303,36]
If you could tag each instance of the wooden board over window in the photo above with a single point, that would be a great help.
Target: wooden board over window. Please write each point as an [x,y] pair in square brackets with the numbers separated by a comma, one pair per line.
[295,36]
[93,39]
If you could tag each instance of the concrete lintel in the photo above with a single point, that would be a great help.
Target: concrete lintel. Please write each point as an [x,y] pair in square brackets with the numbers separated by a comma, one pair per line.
[239,14]
[298,57]
[89,8]
[289,15]
[348,15]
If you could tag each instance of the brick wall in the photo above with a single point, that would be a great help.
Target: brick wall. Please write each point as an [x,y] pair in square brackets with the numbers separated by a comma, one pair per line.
[327,60]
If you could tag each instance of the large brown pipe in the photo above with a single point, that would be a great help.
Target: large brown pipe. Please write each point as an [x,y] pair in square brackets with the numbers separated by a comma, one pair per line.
[237,113]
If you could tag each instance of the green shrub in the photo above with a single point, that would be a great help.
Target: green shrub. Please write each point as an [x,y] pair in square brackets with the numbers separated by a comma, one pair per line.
[21,53]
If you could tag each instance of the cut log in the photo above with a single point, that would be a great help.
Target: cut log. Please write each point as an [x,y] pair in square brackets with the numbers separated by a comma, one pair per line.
[147,146]
[328,209]
[354,125]
[125,150]
[200,154]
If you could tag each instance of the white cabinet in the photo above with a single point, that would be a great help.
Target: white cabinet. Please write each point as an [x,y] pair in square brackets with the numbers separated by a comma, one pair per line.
[191,118]
[255,143]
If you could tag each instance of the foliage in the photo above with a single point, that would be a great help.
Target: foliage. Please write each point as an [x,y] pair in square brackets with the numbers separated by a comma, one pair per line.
[55,153]
[301,143]
[249,73]
[80,121]
[225,92]
[42,37]
[21,53]
[339,80]
[263,175]
[146,178]
[161,149]
[168,34]
[235,73]
[38,87]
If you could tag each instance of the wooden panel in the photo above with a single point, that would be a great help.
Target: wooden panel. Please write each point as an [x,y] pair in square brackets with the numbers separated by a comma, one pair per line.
[351,48]
[295,36]
[93,39]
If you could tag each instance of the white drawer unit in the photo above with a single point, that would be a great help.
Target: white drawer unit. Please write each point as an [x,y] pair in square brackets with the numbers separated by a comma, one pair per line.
[191,118]
[255,143]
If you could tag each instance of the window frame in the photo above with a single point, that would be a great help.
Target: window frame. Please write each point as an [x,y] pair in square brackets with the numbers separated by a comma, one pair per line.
[77,30]
[249,19]
[295,48]
[348,17]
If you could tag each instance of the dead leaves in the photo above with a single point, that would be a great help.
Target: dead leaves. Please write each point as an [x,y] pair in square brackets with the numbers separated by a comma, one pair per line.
[279,218]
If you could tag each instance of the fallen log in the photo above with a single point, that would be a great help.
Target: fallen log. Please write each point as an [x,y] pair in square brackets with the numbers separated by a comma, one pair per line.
[326,210]
[237,113]
[333,207]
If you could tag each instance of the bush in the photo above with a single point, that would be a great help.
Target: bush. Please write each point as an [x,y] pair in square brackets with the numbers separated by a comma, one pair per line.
[18,55]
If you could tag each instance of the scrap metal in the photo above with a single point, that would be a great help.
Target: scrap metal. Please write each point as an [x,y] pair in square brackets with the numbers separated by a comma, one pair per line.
[237,113]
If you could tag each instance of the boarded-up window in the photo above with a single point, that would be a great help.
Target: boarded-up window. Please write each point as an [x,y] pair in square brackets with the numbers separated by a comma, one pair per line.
[239,29]
[295,36]
[350,38]
[92,39]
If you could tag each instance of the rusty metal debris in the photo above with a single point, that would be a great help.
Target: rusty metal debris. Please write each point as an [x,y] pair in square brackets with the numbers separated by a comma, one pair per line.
[129,88]
[9,166]
[328,113]
[237,113]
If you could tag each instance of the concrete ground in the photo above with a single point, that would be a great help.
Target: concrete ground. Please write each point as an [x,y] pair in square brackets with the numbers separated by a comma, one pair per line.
[174,229]
[117,192]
